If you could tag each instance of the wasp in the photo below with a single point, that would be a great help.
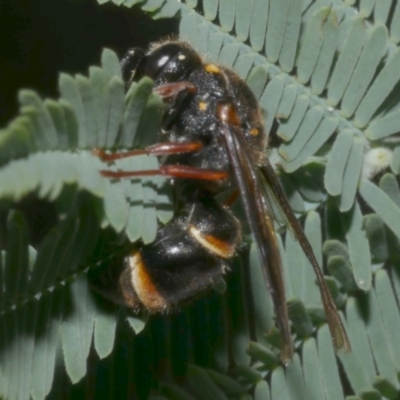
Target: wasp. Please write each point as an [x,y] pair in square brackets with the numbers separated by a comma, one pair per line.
[212,139]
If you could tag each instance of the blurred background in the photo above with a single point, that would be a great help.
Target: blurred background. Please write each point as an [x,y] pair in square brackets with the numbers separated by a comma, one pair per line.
[44,37]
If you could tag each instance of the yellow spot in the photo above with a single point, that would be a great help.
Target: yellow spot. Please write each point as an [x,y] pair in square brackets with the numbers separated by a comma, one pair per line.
[254,132]
[212,68]
[203,106]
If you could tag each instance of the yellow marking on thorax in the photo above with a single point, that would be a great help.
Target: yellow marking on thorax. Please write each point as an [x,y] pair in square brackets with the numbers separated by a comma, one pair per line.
[254,132]
[203,105]
[212,68]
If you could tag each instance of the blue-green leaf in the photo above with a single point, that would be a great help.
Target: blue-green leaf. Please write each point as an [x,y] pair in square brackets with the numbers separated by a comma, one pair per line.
[277,19]
[311,46]
[337,161]
[347,61]
[382,205]
[371,55]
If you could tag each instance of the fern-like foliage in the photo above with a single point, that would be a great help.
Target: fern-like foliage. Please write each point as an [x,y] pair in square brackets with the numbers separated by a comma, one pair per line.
[329,72]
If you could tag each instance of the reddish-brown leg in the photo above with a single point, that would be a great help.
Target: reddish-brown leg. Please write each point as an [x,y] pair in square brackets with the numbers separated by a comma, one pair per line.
[169,90]
[171,171]
[159,149]
[232,198]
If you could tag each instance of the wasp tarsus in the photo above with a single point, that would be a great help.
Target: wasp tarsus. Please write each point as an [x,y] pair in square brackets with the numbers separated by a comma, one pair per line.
[214,140]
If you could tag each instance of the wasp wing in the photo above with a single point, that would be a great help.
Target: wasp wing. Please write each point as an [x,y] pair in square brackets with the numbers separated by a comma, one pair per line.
[338,332]
[261,225]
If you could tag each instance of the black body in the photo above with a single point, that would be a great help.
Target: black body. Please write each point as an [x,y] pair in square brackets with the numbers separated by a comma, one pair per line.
[181,263]
[212,106]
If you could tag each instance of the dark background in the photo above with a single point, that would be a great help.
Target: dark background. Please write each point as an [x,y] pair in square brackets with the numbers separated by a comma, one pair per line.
[40,38]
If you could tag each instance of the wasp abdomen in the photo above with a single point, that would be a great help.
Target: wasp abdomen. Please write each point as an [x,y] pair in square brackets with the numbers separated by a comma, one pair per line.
[187,256]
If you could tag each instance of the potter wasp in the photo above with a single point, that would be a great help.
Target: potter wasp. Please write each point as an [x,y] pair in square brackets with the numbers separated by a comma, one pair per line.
[212,139]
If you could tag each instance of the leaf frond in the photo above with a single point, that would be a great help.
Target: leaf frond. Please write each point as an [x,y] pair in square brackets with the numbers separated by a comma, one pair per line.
[328,71]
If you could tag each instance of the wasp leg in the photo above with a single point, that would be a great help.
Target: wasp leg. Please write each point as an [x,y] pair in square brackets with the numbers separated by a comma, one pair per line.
[170,90]
[188,255]
[171,171]
[174,110]
[159,149]
[232,198]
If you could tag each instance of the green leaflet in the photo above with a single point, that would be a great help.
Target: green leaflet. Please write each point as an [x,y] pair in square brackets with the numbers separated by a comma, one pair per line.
[291,36]
[54,125]
[46,132]
[382,204]
[137,98]
[379,90]
[263,354]
[347,60]
[278,11]
[288,129]
[376,235]
[175,393]
[104,329]
[300,319]
[352,174]
[210,9]
[341,57]
[228,384]
[243,19]
[379,341]
[77,328]
[389,309]
[360,256]
[228,54]
[278,385]
[321,71]
[295,379]
[328,365]
[395,25]
[202,384]
[16,261]
[312,370]
[262,391]
[371,55]
[312,43]
[270,99]
[227,13]
[258,25]
[337,163]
